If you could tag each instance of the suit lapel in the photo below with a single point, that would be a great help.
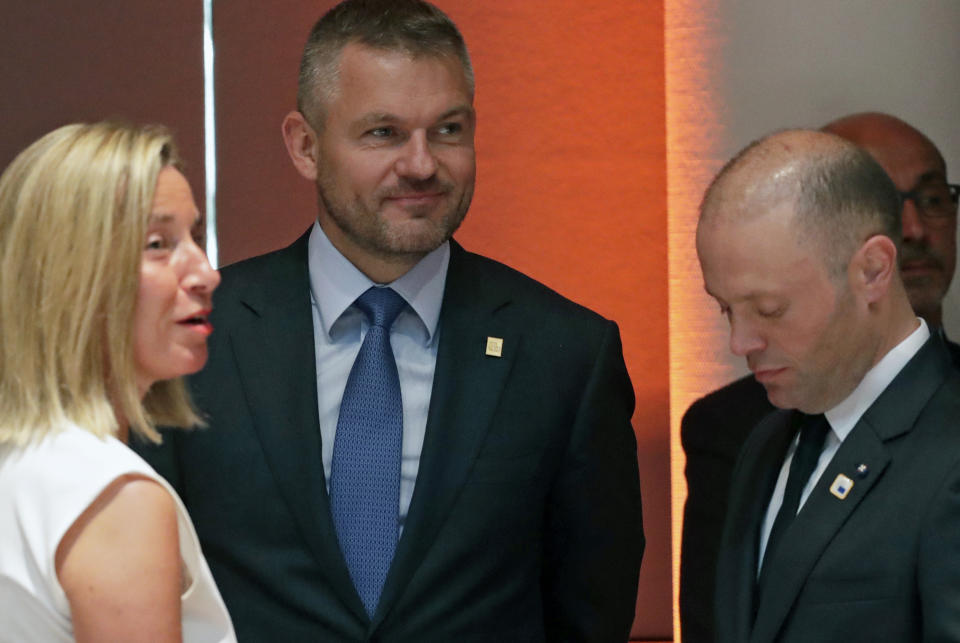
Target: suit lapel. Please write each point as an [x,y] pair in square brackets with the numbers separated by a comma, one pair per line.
[737,565]
[274,351]
[817,523]
[467,384]
[822,516]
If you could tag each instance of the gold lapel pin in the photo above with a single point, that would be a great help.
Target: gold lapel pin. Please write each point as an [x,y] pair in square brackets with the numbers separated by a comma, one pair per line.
[841,486]
[495,346]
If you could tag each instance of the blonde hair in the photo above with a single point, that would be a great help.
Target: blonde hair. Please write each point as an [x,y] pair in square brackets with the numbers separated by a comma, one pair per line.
[73,218]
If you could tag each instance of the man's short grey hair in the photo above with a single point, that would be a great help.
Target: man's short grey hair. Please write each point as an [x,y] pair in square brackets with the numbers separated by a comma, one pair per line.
[410,26]
[844,200]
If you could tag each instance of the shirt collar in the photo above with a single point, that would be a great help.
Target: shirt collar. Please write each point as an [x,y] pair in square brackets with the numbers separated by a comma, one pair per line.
[335,283]
[844,416]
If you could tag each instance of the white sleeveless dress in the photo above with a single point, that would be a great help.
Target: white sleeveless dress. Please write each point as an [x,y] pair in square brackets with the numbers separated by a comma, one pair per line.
[44,488]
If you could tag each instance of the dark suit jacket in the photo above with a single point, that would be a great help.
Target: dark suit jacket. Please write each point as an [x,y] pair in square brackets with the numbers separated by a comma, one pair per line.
[883,564]
[525,521]
[712,432]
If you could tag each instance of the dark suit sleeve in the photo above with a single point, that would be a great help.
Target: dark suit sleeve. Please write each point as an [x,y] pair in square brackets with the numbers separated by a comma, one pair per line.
[594,539]
[712,432]
[938,574]
[708,471]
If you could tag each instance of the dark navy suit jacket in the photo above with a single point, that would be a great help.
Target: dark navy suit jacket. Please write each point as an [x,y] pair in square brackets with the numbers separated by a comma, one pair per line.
[712,432]
[525,523]
[878,563]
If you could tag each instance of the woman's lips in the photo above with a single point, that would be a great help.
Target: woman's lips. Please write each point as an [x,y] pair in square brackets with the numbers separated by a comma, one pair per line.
[198,322]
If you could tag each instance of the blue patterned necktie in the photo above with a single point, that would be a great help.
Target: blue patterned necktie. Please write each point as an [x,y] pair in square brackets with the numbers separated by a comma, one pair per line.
[365,476]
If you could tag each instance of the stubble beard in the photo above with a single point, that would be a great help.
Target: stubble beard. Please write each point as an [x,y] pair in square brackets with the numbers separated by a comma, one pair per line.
[925,291]
[851,356]
[391,241]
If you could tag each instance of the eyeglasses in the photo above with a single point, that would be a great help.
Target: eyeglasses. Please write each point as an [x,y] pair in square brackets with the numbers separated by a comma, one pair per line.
[935,203]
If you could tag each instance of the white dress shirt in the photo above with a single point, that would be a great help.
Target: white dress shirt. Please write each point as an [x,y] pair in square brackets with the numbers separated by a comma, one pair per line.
[842,418]
[339,328]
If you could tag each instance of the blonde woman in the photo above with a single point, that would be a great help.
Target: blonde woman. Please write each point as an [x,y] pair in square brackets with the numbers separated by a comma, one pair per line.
[104,297]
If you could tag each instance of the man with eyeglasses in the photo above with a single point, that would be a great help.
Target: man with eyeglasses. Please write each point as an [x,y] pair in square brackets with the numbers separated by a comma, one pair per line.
[716,426]
[929,214]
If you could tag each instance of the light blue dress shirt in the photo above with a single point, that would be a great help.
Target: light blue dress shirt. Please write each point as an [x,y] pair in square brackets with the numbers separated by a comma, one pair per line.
[339,328]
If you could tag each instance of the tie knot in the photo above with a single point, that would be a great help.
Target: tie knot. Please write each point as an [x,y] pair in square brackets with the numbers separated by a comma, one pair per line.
[814,431]
[381,306]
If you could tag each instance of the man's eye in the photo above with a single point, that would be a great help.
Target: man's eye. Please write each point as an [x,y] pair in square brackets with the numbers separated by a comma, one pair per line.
[770,313]
[935,200]
[449,129]
[381,132]
[932,199]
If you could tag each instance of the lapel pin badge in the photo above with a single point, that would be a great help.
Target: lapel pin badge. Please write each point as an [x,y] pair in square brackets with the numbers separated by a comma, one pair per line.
[495,346]
[841,486]
[862,471]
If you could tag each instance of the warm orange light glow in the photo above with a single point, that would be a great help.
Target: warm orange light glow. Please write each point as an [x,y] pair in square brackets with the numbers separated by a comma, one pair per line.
[697,334]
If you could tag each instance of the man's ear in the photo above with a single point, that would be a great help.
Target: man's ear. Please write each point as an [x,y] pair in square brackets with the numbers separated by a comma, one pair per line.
[301,142]
[874,266]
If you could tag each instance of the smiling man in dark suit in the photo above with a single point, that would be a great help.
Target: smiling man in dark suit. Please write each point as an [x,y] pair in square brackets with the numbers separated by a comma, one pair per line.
[715,426]
[844,504]
[407,441]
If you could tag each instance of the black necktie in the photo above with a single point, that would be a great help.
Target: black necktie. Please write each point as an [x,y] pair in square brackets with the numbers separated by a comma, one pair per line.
[812,435]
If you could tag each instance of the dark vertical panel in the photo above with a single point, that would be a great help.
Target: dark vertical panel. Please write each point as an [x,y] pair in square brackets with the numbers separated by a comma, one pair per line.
[262,203]
[73,60]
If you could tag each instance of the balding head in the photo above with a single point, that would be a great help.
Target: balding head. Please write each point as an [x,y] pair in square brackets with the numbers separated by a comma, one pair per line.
[837,194]
[892,142]
[913,162]
[796,242]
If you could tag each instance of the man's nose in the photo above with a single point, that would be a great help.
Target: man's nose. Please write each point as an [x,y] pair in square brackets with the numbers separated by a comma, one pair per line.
[417,160]
[744,338]
[913,227]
